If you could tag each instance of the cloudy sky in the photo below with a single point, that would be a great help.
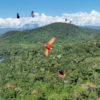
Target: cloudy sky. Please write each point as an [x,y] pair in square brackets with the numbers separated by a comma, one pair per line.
[80,12]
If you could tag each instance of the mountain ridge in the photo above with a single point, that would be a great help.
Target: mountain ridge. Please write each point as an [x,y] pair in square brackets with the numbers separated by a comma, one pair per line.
[62,31]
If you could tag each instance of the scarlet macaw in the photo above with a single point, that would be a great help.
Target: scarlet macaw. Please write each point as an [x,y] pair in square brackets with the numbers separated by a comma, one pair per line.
[70,21]
[18,16]
[48,46]
[62,74]
[66,20]
[32,13]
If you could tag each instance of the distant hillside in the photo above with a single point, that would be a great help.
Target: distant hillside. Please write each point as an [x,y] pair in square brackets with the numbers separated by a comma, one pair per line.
[66,33]
[93,27]
[25,27]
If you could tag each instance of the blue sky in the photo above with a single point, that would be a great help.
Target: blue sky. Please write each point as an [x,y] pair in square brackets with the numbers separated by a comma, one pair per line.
[9,8]
[80,12]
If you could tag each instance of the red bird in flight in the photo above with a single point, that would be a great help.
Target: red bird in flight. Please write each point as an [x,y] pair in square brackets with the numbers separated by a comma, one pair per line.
[48,46]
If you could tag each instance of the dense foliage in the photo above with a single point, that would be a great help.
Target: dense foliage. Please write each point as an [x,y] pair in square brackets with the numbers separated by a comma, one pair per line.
[25,73]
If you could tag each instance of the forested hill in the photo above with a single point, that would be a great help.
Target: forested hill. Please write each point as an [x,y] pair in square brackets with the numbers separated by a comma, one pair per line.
[66,33]
[26,74]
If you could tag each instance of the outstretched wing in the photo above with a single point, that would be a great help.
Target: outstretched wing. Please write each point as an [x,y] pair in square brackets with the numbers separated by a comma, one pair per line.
[46,52]
[51,41]
[41,43]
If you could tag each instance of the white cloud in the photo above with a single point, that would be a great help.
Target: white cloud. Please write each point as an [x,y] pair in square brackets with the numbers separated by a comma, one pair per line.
[84,18]
[80,18]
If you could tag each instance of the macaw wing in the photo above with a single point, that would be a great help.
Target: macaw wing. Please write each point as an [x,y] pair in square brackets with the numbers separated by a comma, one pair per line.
[46,52]
[41,43]
[51,41]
